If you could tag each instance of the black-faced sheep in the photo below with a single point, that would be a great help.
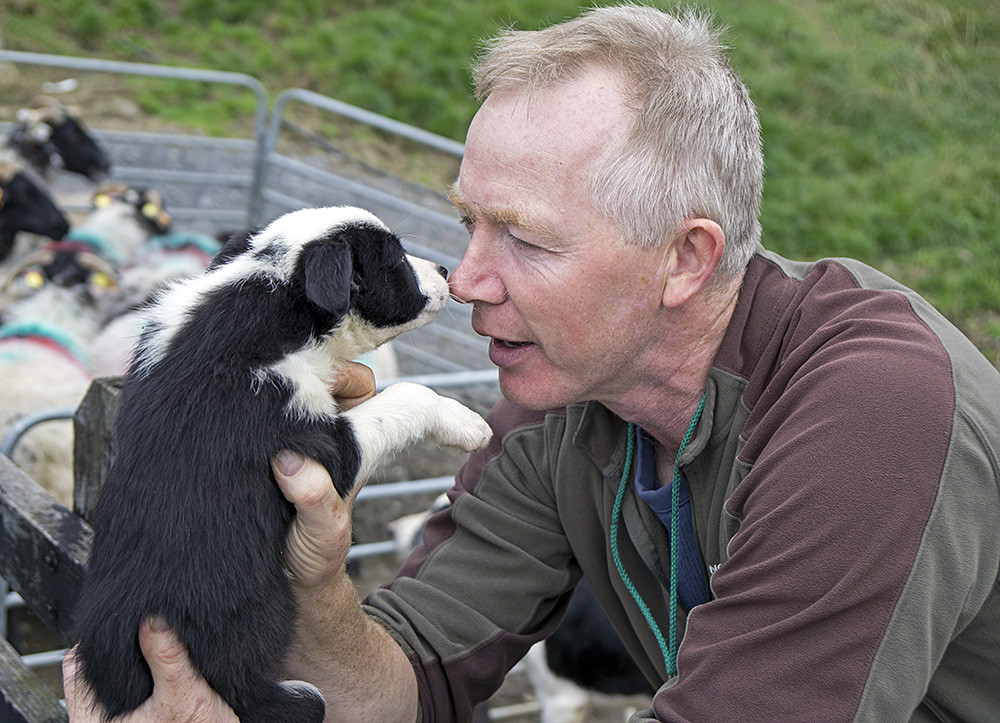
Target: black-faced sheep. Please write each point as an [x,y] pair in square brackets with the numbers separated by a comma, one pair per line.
[26,207]
[51,301]
[122,221]
[48,131]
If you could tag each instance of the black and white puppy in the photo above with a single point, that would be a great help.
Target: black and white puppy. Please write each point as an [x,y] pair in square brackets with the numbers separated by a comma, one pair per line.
[232,367]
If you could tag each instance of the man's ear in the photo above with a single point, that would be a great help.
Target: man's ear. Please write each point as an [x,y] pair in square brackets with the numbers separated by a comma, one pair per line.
[327,271]
[697,251]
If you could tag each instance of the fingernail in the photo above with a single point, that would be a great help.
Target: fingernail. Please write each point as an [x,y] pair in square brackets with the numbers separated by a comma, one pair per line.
[158,624]
[289,462]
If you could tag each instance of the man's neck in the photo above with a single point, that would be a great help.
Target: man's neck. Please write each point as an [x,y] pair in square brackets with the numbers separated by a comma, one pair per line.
[675,372]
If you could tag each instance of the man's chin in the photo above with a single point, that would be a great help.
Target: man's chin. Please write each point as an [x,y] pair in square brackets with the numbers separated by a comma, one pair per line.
[531,392]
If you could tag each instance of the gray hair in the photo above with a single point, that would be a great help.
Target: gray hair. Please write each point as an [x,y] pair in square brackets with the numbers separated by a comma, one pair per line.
[694,148]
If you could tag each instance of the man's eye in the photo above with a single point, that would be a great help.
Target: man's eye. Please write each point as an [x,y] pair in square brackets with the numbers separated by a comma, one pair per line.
[521,243]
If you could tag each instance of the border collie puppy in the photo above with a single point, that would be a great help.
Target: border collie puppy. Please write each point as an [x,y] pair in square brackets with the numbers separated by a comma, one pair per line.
[232,367]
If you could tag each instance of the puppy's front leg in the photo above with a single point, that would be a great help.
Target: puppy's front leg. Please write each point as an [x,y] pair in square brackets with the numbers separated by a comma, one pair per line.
[404,413]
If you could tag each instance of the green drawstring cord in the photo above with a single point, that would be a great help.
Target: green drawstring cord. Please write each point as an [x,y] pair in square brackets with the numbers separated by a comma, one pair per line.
[669,649]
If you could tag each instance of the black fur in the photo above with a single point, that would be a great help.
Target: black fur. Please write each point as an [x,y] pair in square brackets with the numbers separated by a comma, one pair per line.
[190,524]
[78,151]
[25,206]
[586,650]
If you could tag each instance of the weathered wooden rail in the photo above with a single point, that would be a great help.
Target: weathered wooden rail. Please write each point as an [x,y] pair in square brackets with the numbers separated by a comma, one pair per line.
[43,550]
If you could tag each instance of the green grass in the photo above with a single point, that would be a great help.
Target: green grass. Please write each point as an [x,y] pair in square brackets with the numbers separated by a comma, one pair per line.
[881,118]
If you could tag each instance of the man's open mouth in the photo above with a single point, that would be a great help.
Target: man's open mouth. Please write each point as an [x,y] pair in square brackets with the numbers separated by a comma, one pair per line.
[511,344]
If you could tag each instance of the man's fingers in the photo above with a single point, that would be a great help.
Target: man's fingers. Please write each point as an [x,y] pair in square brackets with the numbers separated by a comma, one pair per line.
[320,535]
[79,698]
[353,384]
[179,690]
[164,652]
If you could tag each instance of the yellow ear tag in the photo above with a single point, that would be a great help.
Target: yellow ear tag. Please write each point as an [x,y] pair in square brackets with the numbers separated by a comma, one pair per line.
[150,210]
[101,200]
[101,280]
[34,279]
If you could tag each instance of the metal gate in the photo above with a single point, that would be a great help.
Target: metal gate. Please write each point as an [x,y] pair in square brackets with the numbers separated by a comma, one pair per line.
[219,185]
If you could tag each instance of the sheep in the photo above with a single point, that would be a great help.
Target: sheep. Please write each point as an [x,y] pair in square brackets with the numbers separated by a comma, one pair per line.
[163,258]
[51,303]
[122,220]
[583,672]
[47,131]
[26,206]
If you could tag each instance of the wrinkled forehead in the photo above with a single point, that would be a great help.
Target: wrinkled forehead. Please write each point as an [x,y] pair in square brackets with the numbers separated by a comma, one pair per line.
[525,149]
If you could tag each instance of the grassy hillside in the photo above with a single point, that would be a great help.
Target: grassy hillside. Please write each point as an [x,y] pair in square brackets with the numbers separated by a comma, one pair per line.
[881,117]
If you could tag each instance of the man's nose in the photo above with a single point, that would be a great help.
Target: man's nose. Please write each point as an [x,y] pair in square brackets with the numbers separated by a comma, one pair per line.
[478,276]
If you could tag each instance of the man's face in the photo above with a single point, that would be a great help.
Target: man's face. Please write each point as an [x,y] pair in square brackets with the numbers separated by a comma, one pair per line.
[568,304]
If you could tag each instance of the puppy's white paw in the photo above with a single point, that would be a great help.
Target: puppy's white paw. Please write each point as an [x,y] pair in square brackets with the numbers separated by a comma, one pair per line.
[461,427]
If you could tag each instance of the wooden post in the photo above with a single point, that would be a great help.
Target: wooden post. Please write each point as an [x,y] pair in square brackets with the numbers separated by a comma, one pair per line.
[44,548]
[94,443]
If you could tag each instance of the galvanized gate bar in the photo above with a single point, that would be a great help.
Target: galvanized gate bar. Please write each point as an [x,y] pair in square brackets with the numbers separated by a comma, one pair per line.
[407,208]
[165,71]
[404,130]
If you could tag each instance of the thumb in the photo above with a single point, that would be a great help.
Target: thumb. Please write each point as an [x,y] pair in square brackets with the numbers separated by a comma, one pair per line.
[320,534]
[165,654]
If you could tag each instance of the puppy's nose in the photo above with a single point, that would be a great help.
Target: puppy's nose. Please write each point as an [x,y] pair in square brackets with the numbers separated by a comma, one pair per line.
[443,271]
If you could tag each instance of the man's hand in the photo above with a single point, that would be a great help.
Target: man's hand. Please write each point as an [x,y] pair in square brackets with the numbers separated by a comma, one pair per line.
[353,384]
[179,693]
[361,670]
[320,535]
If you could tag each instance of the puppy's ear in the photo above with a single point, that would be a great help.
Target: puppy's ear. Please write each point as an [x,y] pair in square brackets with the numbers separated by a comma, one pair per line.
[328,270]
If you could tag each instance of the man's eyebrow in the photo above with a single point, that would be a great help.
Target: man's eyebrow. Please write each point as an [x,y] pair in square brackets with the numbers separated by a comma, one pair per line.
[507,216]
[458,203]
